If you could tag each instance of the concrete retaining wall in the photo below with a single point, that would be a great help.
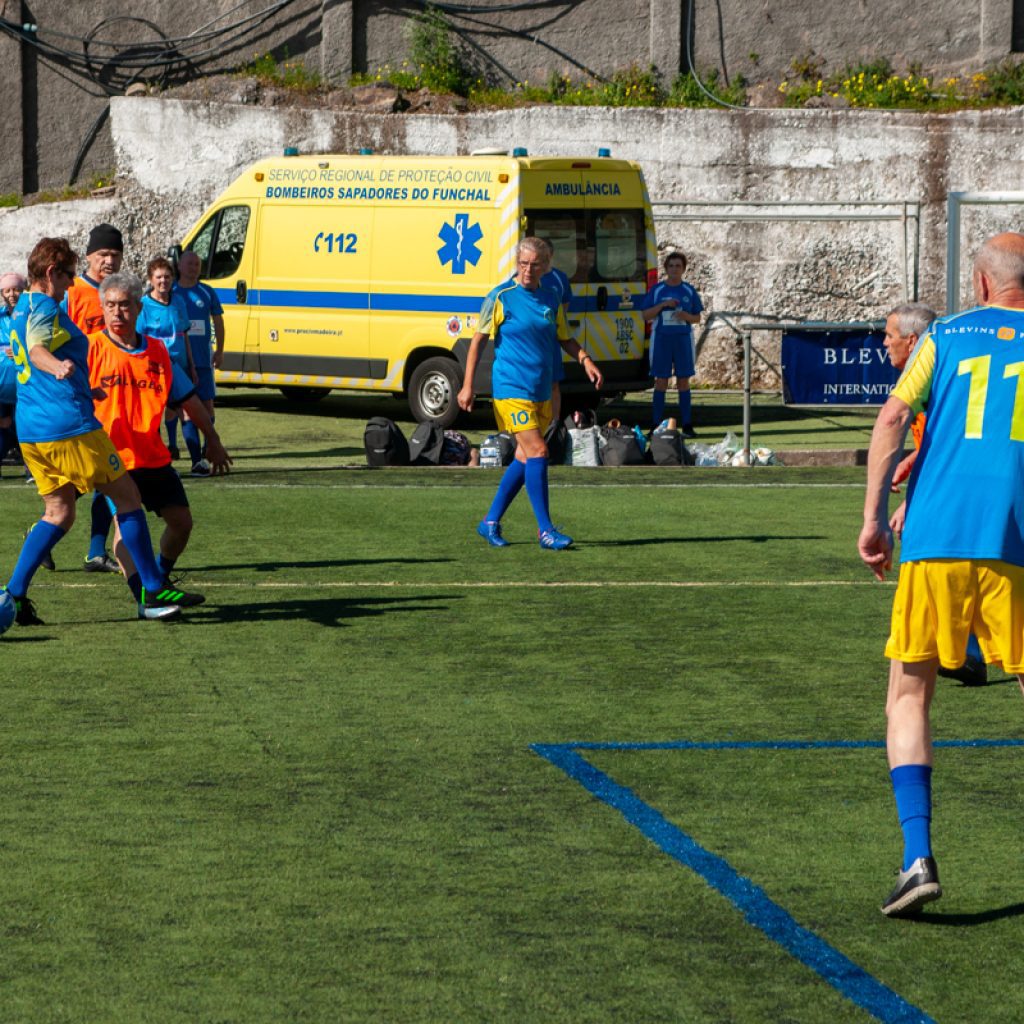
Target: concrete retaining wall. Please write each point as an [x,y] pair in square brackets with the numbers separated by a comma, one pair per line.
[56,92]
[812,269]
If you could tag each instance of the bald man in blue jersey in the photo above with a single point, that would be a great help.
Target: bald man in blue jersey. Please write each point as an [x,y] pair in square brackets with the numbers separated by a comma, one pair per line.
[527,320]
[962,558]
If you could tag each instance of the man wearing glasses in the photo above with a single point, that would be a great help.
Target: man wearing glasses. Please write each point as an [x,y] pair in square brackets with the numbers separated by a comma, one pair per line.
[527,321]
[63,443]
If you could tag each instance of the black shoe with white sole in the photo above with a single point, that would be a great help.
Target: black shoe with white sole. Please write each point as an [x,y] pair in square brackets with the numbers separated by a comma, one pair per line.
[915,887]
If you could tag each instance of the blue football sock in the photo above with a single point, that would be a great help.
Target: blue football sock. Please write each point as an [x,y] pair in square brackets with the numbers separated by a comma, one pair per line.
[38,544]
[685,408]
[658,407]
[511,484]
[537,490]
[135,586]
[135,534]
[190,432]
[102,517]
[172,433]
[912,785]
[974,648]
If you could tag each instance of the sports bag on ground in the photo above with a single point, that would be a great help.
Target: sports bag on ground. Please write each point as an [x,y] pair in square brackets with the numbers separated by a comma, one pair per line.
[426,445]
[584,446]
[667,448]
[620,447]
[456,449]
[557,439]
[385,443]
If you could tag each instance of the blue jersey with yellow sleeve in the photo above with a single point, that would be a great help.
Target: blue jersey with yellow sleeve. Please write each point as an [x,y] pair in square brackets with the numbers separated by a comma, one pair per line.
[524,324]
[966,493]
[50,409]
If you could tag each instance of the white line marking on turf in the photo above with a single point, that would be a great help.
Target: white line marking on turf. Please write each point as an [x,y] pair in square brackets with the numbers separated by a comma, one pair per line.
[488,584]
[554,486]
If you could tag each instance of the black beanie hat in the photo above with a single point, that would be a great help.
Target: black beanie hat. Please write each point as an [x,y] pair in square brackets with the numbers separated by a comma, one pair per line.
[104,236]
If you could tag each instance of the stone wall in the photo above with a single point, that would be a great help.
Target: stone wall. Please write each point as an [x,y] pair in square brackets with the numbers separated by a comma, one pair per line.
[713,167]
[57,91]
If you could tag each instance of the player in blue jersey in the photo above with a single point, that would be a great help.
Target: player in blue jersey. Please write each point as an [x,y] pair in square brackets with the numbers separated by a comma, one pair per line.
[674,306]
[558,282]
[962,559]
[164,316]
[62,441]
[904,327]
[206,326]
[11,287]
[526,321]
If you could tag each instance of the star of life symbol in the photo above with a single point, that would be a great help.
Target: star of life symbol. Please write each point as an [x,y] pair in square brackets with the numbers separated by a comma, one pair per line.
[460,245]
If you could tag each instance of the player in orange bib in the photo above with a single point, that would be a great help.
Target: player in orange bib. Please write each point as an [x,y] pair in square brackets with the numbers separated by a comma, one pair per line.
[104,253]
[134,381]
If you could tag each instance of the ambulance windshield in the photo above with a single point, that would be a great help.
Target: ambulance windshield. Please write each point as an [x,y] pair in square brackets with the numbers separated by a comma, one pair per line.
[594,245]
[220,242]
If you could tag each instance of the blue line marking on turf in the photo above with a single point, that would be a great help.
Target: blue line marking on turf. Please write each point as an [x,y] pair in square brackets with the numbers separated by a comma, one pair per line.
[768,745]
[757,907]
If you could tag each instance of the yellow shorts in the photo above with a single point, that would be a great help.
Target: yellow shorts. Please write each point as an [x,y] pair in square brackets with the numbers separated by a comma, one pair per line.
[939,602]
[86,462]
[516,414]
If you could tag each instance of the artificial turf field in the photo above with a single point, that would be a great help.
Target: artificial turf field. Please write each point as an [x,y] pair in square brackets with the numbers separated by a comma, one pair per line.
[387,773]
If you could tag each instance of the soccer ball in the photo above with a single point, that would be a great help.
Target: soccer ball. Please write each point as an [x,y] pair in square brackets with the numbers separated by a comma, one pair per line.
[8,609]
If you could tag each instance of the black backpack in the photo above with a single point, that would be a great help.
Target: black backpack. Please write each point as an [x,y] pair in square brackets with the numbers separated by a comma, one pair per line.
[667,448]
[426,445]
[557,439]
[456,449]
[620,447]
[385,443]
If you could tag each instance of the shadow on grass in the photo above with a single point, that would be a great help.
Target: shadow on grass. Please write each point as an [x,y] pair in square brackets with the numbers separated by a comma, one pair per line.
[326,611]
[326,563]
[757,538]
[969,920]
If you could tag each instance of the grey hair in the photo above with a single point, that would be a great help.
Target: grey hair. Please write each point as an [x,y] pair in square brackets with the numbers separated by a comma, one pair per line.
[912,317]
[1001,262]
[122,282]
[536,245]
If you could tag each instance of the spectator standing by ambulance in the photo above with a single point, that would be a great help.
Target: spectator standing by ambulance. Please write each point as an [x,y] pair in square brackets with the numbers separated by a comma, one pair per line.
[164,316]
[674,306]
[206,340]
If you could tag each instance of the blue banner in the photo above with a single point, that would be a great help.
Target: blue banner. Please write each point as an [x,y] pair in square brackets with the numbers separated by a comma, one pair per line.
[836,368]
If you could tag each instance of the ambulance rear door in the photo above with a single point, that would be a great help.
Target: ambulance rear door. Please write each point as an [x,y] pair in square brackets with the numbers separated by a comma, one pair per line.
[597,219]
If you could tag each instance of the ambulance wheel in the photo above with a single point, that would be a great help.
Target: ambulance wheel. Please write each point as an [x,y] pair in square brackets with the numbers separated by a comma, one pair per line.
[296,393]
[433,390]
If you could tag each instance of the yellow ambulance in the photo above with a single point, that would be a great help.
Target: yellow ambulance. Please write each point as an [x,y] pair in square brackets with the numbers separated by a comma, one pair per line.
[366,272]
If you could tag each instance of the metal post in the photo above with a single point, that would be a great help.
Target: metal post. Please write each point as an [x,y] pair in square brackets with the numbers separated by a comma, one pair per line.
[953,252]
[746,393]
